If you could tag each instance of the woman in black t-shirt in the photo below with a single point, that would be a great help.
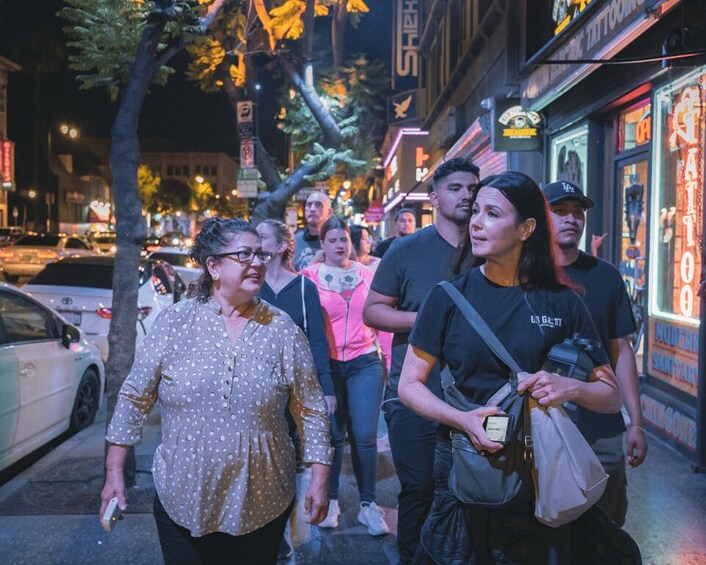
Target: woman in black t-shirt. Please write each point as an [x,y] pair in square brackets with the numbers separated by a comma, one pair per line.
[515,287]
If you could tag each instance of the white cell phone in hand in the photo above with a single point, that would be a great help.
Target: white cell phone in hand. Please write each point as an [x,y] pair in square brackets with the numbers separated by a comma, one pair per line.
[111,515]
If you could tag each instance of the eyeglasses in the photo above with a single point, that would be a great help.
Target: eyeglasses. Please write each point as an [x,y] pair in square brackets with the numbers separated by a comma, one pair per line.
[246,256]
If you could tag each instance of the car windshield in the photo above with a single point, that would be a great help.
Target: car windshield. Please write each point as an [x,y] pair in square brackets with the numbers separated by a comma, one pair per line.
[83,275]
[72,274]
[178,259]
[39,241]
[105,239]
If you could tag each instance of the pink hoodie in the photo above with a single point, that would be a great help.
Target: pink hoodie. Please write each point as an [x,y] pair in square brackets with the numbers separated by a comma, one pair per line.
[348,337]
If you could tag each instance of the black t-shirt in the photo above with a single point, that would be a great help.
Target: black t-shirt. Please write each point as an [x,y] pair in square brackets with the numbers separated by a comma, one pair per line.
[383,247]
[527,321]
[408,271]
[607,300]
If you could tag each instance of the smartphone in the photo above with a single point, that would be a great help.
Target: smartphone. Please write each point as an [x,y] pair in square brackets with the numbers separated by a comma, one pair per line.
[112,515]
[498,428]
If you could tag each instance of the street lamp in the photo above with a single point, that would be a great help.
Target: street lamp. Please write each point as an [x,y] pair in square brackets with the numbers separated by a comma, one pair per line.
[71,132]
[199,179]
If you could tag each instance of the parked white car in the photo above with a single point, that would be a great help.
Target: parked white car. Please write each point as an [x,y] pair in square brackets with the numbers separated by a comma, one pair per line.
[106,242]
[81,289]
[51,378]
[28,255]
[179,258]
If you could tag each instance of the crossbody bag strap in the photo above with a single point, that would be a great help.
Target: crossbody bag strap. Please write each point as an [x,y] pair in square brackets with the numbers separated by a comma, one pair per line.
[306,323]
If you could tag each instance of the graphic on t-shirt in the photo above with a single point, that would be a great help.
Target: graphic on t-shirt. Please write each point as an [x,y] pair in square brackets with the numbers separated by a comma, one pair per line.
[546,321]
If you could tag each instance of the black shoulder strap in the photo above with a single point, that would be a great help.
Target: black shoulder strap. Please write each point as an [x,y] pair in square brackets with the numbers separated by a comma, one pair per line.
[479,324]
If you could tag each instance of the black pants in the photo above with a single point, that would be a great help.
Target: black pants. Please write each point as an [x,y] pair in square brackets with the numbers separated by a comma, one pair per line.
[412,442]
[179,547]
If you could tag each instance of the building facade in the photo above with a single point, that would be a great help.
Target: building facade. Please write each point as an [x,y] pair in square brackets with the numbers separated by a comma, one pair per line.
[7,147]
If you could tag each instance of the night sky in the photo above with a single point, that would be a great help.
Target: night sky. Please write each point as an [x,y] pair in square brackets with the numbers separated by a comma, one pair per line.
[190,119]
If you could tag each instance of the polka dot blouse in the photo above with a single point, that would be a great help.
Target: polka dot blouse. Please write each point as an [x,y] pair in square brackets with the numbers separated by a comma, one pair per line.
[226,462]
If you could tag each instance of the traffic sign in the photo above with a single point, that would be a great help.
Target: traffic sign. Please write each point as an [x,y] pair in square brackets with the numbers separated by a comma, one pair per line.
[247,188]
[245,112]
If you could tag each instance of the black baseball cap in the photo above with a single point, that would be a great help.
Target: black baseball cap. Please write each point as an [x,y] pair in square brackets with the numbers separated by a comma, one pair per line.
[565,190]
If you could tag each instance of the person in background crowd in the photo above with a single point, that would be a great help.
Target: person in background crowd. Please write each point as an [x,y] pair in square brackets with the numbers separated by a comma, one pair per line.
[306,241]
[298,297]
[405,224]
[405,276]
[357,370]
[609,305]
[514,286]
[224,365]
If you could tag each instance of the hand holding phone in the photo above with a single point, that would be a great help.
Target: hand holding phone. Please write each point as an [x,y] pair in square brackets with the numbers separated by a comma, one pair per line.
[498,428]
[112,514]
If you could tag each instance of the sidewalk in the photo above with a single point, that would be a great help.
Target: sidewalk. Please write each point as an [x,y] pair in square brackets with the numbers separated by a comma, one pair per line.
[48,513]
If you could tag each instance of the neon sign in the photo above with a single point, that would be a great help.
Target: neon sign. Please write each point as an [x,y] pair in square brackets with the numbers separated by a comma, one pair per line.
[686,124]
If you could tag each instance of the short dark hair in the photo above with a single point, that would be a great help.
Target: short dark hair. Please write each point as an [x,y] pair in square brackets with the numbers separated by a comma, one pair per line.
[213,237]
[452,166]
[404,211]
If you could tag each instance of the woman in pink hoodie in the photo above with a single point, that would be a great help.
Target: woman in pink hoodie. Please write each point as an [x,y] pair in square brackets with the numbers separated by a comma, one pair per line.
[357,370]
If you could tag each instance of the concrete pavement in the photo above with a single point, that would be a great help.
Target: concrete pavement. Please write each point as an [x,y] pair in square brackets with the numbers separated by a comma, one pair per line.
[48,513]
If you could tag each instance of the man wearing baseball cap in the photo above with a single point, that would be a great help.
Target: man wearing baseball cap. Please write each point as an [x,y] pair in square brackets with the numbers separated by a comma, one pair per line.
[607,301]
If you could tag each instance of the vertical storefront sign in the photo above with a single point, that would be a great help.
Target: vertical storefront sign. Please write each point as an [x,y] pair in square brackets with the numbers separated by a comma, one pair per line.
[678,200]
[405,44]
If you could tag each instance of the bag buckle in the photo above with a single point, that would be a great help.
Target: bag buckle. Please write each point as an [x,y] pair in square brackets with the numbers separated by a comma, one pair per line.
[528,443]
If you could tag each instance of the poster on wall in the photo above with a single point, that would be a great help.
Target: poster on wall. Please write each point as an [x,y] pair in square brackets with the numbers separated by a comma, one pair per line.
[569,157]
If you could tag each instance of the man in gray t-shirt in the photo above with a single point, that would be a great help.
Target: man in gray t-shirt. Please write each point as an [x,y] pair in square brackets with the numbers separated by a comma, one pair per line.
[406,274]
[306,241]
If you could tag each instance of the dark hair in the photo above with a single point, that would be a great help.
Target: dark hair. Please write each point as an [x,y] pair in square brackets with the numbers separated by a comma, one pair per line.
[283,234]
[357,235]
[333,223]
[213,237]
[403,211]
[453,166]
[537,263]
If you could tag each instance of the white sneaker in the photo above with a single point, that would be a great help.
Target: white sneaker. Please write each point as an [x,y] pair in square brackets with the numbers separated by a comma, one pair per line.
[331,520]
[372,516]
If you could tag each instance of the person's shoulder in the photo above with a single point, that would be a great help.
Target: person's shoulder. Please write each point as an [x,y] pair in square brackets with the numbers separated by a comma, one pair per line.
[268,314]
[408,242]
[311,270]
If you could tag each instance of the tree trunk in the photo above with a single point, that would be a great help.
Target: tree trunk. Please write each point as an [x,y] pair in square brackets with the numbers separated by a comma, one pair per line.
[338,34]
[308,41]
[130,225]
[273,206]
[332,133]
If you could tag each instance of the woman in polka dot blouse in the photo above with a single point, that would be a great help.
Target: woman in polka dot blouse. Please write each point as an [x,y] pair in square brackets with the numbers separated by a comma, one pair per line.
[224,364]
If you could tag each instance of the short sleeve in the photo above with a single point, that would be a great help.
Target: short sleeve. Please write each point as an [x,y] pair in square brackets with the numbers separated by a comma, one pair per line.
[388,276]
[429,330]
[584,326]
[624,322]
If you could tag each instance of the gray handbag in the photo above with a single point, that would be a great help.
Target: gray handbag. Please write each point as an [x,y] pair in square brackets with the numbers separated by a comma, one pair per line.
[568,477]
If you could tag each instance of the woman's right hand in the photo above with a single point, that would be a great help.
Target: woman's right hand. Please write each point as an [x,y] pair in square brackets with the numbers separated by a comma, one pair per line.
[472,425]
[114,487]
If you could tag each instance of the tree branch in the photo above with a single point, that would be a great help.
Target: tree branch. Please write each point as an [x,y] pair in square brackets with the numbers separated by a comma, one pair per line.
[210,16]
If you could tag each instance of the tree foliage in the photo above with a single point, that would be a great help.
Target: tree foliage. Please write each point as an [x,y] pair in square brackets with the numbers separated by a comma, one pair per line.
[148,183]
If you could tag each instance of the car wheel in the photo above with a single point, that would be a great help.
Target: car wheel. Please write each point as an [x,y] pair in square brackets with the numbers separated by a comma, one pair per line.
[86,403]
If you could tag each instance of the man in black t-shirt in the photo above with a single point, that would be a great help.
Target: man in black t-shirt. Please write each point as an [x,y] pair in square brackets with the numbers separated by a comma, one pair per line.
[608,303]
[405,224]
[406,274]
[306,241]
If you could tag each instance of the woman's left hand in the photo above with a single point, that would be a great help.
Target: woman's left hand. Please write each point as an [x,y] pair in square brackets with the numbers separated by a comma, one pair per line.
[549,389]
[316,498]
[331,404]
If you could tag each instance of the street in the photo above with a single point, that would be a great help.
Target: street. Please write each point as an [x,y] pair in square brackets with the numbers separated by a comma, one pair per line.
[48,513]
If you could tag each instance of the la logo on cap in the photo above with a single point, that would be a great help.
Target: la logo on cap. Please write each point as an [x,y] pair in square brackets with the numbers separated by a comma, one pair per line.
[567,187]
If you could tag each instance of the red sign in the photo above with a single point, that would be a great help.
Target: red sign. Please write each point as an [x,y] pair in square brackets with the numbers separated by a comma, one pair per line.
[7,164]
[374,213]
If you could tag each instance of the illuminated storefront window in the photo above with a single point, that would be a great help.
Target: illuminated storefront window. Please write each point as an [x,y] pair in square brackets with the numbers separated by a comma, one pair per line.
[677,209]
[635,127]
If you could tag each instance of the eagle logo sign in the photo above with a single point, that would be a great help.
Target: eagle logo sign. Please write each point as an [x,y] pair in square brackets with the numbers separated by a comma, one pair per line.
[401,108]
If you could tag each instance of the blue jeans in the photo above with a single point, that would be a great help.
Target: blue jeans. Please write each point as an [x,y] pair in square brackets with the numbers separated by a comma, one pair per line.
[358,385]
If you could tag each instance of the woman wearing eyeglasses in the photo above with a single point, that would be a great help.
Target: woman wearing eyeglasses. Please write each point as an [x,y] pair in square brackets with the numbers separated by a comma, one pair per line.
[224,364]
[356,367]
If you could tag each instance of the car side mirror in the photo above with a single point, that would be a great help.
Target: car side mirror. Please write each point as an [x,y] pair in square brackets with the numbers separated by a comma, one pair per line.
[69,335]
